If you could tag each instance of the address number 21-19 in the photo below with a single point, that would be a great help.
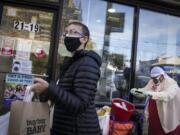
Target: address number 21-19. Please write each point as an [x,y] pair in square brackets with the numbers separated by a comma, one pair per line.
[18,25]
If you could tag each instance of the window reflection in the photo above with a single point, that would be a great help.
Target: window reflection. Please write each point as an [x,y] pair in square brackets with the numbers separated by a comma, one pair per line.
[111,37]
[25,38]
[158,45]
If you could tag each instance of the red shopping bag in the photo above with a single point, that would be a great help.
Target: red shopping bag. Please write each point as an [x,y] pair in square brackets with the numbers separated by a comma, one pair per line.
[122,113]
[118,128]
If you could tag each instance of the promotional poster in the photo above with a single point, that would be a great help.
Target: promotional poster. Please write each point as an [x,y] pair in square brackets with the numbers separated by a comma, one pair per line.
[15,86]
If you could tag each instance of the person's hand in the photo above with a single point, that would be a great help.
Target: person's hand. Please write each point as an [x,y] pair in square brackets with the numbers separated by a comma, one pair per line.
[39,85]
[133,91]
[138,93]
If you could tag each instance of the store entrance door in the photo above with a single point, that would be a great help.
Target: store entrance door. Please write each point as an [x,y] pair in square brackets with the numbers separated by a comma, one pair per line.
[25,38]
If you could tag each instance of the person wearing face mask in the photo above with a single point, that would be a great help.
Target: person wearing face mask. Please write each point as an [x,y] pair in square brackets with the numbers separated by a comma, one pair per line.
[162,112]
[74,92]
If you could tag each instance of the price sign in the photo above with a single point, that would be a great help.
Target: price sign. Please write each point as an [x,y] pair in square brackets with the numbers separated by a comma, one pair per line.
[18,25]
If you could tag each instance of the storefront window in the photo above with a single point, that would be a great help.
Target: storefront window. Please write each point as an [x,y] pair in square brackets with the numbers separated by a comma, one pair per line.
[158,45]
[28,32]
[111,37]
[24,42]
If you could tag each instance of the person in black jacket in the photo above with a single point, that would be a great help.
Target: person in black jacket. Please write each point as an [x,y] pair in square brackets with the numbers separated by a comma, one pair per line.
[74,94]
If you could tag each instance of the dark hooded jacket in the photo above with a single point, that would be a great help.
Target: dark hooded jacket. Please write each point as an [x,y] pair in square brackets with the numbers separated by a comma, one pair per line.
[74,112]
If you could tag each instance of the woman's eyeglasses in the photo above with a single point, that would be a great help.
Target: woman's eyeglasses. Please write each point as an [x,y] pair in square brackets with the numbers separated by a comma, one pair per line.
[72,33]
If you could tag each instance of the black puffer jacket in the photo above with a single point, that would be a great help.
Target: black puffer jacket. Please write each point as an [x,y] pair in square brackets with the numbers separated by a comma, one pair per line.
[74,112]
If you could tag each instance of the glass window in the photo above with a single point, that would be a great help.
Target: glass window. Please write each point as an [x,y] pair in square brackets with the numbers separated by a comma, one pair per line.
[28,32]
[111,37]
[158,44]
[25,36]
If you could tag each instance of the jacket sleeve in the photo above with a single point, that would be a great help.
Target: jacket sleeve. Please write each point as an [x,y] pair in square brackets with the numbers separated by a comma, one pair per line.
[84,85]
[164,95]
[167,95]
[142,90]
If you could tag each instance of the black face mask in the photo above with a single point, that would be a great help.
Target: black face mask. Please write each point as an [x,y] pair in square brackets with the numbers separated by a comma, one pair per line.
[156,80]
[72,43]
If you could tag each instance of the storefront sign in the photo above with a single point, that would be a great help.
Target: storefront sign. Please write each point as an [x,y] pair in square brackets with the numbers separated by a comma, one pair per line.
[18,25]
[19,79]
[22,66]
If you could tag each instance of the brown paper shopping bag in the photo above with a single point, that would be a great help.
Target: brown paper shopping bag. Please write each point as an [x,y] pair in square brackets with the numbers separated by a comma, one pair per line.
[29,118]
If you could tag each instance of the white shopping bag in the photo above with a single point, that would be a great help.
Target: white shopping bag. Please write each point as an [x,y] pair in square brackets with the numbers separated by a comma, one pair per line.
[28,94]
[104,123]
[51,115]
[4,122]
